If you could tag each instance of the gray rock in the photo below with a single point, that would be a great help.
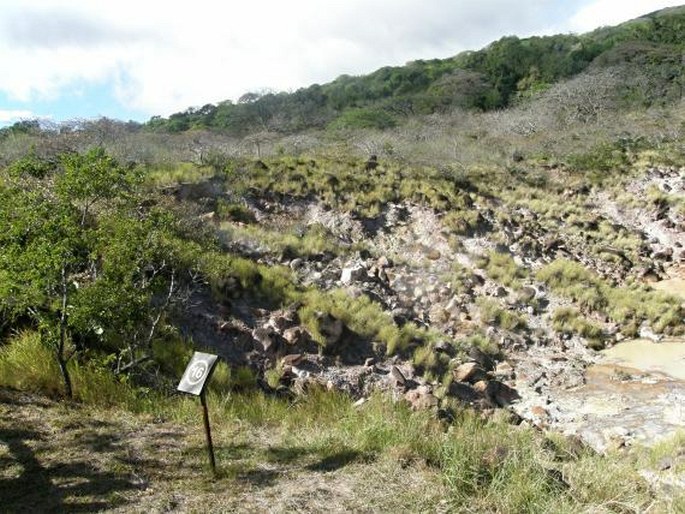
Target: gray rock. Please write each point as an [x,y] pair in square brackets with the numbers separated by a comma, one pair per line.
[264,337]
[353,274]
[397,377]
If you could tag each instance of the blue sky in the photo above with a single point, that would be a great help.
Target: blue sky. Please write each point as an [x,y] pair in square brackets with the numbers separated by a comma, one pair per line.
[132,59]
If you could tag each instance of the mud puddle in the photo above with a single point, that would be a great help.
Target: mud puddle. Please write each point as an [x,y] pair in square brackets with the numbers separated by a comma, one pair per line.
[634,393]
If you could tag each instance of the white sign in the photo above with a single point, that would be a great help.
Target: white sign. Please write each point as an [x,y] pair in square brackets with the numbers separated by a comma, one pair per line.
[197,372]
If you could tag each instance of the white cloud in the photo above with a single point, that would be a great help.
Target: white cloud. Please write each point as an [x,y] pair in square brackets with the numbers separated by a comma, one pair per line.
[610,12]
[7,116]
[161,57]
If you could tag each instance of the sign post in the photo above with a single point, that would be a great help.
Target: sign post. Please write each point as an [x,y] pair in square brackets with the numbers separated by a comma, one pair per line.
[194,381]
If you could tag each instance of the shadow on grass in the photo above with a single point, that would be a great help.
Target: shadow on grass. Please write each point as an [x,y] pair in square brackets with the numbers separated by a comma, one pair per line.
[59,488]
[259,477]
[335,461]
[286,454]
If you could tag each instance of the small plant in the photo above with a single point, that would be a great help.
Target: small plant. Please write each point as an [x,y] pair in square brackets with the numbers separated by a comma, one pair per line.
[491,312]
[570,321]
[502,268]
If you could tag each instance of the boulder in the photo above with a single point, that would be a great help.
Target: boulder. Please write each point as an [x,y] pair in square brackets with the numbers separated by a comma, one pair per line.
[463,392]
[353,274]
[291,359]
[496,392]
[482,358]
[504,370]
[397,378]
[295,335]
[469,372]
[526,294]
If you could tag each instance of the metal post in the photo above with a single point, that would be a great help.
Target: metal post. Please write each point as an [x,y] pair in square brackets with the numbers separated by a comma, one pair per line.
[208,433]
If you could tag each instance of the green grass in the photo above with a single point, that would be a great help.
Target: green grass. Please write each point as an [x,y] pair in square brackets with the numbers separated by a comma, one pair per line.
[476,464]
[571,321]
[491,312]
[178,173]
[502,268]
[28,364]
[629,305]
[361,315]
[297,241]
[380,456]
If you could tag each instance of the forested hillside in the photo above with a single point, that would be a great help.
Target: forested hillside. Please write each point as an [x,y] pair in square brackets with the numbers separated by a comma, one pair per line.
[504,73]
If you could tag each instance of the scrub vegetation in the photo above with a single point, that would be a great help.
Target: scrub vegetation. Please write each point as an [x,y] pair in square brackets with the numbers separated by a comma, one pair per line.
[283,228]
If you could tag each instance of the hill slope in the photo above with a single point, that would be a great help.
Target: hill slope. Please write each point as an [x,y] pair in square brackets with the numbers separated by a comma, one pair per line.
[504,72]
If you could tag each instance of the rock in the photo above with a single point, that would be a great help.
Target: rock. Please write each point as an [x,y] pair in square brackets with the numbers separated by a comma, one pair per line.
[482,358]
[359,402]
[646,332]
[438,314]
[526,294]
[210,217]
[433,254]
[444,347]
[369,362]
[397,378]
[663,254]
[504,370]
[463,392]
[421,398]
[469,372]
[384,262]
[291,359]
[353,274]
[296,263]
[496,392]
[294,335]
[279,322]
[264,337]
[539,414]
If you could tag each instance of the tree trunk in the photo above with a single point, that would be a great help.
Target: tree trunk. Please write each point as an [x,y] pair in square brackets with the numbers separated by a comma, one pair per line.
[62,360]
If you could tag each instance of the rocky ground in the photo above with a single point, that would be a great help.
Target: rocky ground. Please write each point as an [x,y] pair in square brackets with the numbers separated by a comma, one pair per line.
[407,260]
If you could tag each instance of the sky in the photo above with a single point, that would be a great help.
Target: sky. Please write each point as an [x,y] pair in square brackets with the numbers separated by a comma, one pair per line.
[132,59]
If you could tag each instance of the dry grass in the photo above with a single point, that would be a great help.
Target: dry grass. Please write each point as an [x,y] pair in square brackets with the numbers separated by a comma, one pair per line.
[62,458]
[317,454]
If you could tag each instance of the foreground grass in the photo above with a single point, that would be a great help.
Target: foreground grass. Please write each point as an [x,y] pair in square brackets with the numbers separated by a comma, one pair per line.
[317,453]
